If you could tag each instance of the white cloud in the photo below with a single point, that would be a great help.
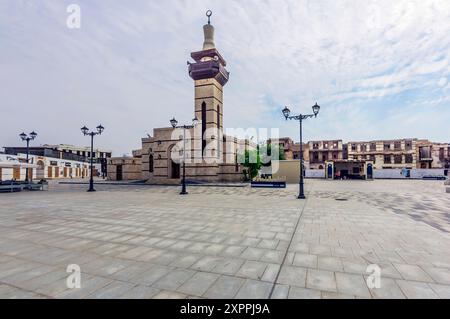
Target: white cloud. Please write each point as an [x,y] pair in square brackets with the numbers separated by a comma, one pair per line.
[442,82]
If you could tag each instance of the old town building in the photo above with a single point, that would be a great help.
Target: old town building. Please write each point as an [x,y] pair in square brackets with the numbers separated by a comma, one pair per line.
[432,155]
[323,151]
[385,154]
[14,167]
[51,162]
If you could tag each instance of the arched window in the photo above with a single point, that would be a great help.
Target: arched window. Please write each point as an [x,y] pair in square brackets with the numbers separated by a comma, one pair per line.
[150,163]
[203,127]
[218,130]
[218,116]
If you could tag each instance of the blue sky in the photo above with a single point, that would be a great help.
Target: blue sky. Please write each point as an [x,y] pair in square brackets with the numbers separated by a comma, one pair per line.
[379,69]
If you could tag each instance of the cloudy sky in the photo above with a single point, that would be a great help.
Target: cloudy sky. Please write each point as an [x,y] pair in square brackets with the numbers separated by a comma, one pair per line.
[379,69]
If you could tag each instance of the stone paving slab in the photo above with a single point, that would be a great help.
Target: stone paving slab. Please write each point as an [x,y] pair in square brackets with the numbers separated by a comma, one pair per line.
[148,242]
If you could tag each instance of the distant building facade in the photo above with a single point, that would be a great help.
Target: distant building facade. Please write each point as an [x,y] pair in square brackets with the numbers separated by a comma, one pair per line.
[62,151]
[322,151]
[66,153]
[408,157]
[385,154]
[14,167]
[432,155]
[52,162]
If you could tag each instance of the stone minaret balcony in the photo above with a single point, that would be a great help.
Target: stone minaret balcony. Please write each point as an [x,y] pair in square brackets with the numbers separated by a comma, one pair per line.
[209,64]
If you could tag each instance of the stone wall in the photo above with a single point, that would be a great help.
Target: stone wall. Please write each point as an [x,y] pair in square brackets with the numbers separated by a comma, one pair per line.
[415,173]
[131,168]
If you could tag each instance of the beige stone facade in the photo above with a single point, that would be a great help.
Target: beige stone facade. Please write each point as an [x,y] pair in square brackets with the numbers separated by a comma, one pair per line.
[288,170]
[323,151]
[407,153]
[432,155]
[124,168]
[401,153]
[385,154]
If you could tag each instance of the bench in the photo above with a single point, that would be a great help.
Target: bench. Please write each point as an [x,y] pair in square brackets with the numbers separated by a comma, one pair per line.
[269,184]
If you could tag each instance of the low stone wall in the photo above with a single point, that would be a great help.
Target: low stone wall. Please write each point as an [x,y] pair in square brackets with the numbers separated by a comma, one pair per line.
[315,173]
[290,171]
[414,173]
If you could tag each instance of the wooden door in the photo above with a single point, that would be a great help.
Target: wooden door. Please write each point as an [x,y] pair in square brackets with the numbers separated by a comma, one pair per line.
[49,172]
[30,174]
[65,171]
[56,172]
[16,173]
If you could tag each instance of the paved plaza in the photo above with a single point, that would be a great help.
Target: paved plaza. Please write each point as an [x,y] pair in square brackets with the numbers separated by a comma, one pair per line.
[228,242]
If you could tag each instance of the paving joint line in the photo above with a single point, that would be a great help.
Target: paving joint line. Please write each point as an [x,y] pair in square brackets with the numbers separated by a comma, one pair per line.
[289,246]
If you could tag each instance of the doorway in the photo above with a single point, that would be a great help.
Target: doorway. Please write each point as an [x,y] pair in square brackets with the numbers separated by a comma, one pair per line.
[40,172]
[16,173]
[330,171]
[119,173]
[175,172]
[369,171]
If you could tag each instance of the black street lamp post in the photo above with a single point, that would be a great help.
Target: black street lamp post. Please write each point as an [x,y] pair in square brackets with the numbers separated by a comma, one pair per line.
[300,118]
[28,138]
[85,132]
[174,124]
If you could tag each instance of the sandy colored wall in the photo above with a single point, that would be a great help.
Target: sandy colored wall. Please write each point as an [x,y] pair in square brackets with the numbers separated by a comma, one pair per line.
[289,169]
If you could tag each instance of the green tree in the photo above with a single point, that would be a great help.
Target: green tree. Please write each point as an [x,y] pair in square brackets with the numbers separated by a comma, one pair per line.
[252,160]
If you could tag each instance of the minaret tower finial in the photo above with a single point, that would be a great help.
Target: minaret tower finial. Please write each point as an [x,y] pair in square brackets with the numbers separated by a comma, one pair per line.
[209,14]
[208,30]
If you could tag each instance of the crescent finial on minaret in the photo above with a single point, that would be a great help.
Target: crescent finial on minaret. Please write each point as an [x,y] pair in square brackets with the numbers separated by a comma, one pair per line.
[208,31]
[209,14]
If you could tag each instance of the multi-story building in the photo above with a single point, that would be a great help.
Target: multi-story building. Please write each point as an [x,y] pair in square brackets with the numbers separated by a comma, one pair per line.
[83,151]
[60,161]
[432,155]
[385,154]
[291,149]
[15,167]
[61,151]
[286,144]
[323,151]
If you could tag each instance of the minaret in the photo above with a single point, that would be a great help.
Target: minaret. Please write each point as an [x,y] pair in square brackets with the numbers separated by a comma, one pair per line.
[210,76]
